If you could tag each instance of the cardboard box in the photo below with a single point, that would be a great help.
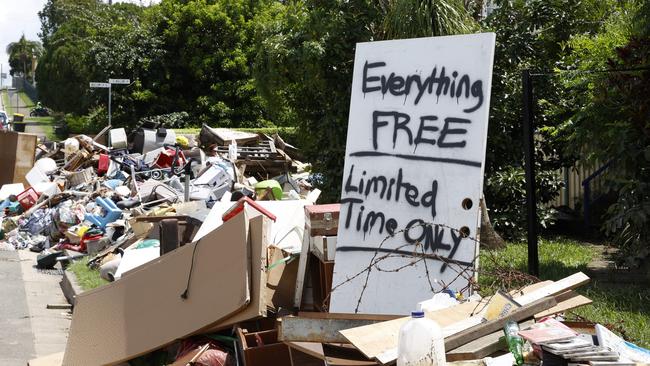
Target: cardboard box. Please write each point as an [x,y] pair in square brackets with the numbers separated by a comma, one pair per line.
[263,348]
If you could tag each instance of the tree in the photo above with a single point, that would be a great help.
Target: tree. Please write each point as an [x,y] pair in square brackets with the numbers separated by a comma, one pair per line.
[22,55]
[303,68]
[206,65]
[531,34]
[425,18]
[609,117]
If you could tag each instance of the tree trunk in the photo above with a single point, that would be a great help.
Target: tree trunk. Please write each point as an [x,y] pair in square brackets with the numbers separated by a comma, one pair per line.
[490,239]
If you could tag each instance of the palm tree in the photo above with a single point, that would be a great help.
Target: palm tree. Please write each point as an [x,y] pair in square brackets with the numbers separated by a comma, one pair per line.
[426,18]
[22,54]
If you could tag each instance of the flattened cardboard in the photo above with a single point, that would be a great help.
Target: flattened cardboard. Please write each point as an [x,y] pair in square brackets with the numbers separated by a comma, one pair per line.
[259,228]
[144,311]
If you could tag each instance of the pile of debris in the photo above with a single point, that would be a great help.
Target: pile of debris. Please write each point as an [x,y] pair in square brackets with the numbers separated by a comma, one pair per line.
[217,254]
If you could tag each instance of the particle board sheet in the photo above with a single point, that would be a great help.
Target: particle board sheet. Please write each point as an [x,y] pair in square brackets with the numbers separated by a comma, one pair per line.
[259,228]
[144,311]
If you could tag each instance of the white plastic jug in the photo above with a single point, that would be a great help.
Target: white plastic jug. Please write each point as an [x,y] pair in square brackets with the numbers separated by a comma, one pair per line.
[420,342]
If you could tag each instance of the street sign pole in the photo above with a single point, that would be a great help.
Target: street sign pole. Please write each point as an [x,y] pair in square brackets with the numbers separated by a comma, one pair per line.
[109,86]
[109,104]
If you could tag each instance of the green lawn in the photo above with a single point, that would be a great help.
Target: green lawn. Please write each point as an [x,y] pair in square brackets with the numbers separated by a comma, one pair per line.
[29,103]
[6,103]
[626,307]
[46,125]
[87,278]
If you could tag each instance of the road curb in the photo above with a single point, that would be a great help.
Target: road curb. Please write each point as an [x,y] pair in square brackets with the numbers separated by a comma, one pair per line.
[70,286]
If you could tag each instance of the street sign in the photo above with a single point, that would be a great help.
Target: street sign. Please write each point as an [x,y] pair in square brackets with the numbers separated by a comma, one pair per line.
[3,75]
[99,85]
[119,81]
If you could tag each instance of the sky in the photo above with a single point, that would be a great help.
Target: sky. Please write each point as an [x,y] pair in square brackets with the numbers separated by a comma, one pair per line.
[21,16]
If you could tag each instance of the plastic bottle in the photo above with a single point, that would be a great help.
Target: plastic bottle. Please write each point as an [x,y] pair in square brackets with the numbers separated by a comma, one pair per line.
[515,342]
[420,342]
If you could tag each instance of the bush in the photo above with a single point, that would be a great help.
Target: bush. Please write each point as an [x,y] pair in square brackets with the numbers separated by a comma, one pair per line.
[506,190]
[169,120]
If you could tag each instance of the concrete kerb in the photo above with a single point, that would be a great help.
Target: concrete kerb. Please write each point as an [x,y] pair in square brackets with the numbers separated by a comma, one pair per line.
[70,286]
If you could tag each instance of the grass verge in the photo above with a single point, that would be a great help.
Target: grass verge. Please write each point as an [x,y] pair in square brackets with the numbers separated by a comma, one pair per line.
[29,103]
[45,126]
[87,278]
[6,102]
[624,308]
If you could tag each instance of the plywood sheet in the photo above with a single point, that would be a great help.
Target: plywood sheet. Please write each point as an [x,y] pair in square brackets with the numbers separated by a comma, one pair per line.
[145,311]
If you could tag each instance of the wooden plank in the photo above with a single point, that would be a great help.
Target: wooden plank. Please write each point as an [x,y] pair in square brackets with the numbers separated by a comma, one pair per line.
[145,310]
[380,340]
[565,305]
[298,329]
[481,347]
[525,312]
[567,283]
[373,340]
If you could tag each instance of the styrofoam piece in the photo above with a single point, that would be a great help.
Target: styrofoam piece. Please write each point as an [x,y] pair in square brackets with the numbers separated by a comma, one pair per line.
[117,138]
[47,188]
[36,176]
[135,258]
[12,188]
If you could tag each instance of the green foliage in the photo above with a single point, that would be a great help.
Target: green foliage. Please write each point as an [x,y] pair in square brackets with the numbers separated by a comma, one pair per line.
[86,41]
[613,110]
[169,120]
[206,65]
[304,68]
[507,187]
[530,35]
[90,124]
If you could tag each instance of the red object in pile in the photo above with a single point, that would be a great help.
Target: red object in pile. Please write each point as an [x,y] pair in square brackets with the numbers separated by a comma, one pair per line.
[166,158]
[103,164]
[239,207]
[27,198]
